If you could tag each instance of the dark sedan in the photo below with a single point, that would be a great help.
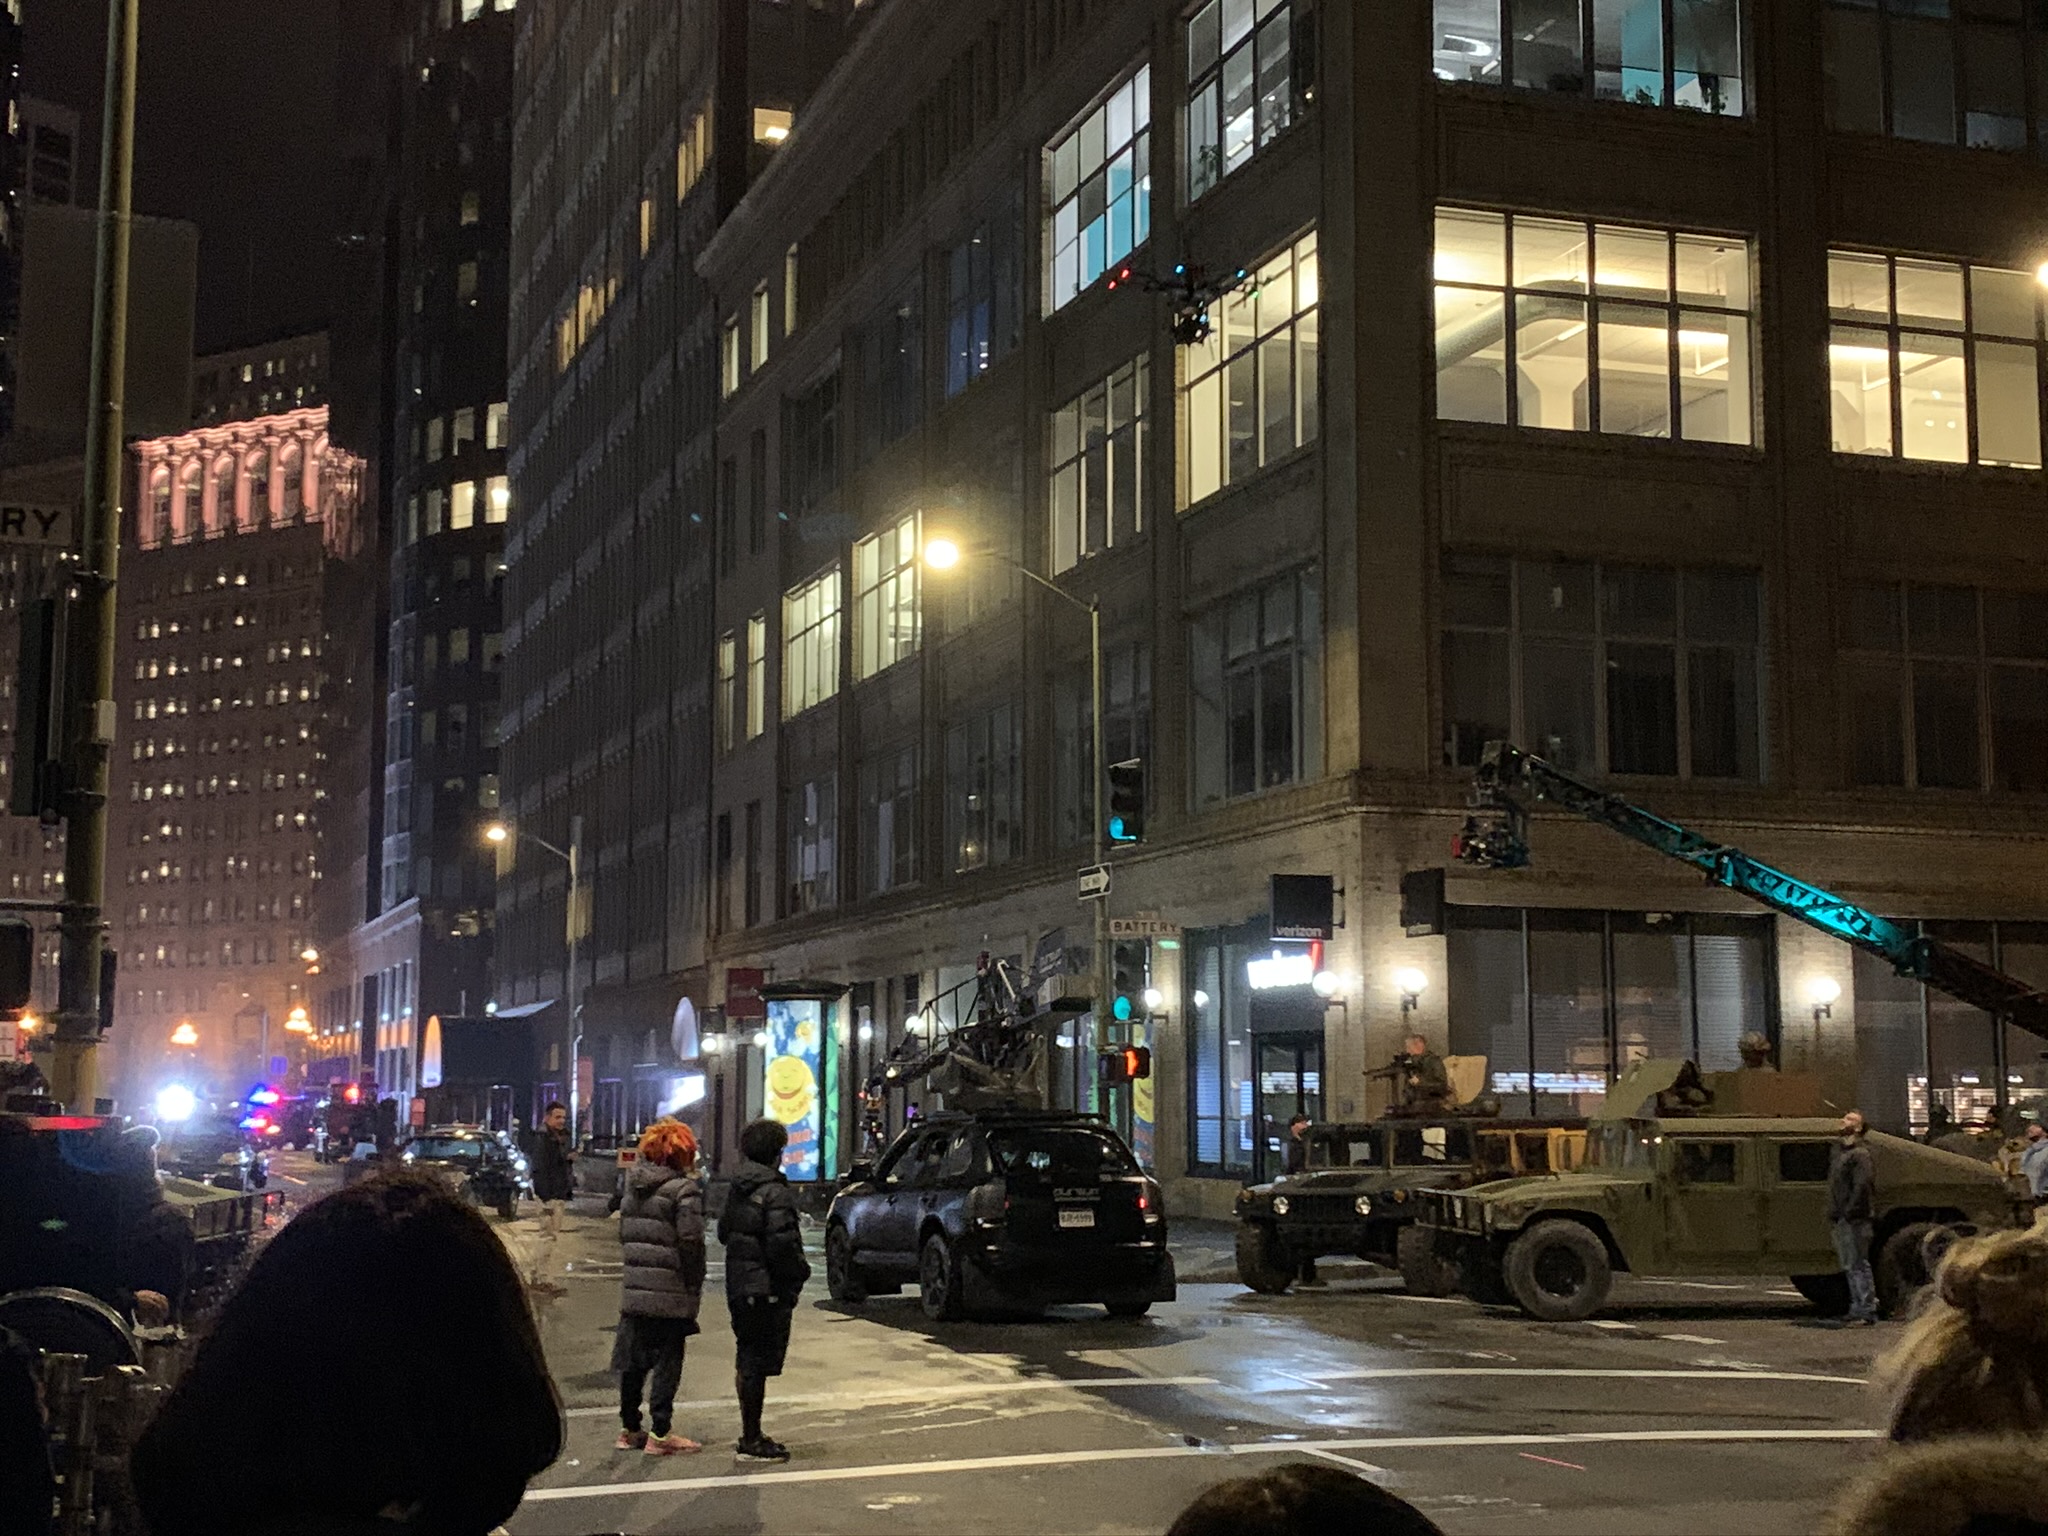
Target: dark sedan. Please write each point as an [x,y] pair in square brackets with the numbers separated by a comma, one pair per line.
[213,1149]
[999,1213]
[481,1165]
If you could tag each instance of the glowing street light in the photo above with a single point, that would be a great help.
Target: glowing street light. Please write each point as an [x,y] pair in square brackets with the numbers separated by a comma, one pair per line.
[497,832]
[297,1022]
[310,955]
[941,554]
[175,1102]
[185,1034]
[28,1023]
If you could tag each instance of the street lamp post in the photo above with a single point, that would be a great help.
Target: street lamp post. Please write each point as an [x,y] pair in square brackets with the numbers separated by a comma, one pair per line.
[944,555]
[572,856]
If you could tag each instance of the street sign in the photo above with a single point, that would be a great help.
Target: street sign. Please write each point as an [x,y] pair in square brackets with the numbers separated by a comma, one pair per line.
[1094,883]
[1145,926]
[53,526]
[743,999]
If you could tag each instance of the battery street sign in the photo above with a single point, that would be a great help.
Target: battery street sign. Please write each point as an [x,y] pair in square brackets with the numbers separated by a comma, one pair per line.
[1144,926]
[1094,883]
[54,527]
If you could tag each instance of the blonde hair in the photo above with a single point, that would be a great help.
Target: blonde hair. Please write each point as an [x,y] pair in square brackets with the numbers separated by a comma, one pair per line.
[1975,1358]
[669,1143]
[1948,1488]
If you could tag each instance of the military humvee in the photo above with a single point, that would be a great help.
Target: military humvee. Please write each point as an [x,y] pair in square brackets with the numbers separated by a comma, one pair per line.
[1355,1196]
[1666,1193]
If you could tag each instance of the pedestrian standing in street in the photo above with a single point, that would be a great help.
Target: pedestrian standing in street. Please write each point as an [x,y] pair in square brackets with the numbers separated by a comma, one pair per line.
[554,1174]
[661,1239]
[765,1270]
[1852,1207]
[2034,1164]
[398,1301]
[1974,1359]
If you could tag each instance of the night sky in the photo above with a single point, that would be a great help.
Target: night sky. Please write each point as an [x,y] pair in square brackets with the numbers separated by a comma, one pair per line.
[234,132]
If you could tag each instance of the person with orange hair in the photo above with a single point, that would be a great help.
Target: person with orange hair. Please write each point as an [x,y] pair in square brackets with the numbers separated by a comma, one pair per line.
[661,1232]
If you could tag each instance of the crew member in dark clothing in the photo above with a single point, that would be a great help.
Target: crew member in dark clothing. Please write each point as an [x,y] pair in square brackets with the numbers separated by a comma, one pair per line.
[1852,1208]
[553,1173]
[661,1238]
[1296,1153]
[1297,1145]
[1425,1084]
[765,1270]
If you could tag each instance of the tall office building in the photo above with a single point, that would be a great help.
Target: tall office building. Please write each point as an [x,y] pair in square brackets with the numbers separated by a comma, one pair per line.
[640,126]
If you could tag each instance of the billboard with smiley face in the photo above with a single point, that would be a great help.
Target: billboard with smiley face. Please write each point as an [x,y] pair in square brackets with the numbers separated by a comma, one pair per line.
[791,1085]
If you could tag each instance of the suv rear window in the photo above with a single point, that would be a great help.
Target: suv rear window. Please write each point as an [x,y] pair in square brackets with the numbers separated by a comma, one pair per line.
[1045,1152]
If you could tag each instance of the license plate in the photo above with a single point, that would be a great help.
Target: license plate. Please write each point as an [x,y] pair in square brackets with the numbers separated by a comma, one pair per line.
[1077,1218]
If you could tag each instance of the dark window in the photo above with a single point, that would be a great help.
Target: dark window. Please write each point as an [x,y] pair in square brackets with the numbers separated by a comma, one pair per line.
[1939,73]
[757,491]
[810,445]
[1619,669]
[1256,685]
[1803,1162]
[1055,1153]
[1706,1162]
[892,370]
[1422,1146]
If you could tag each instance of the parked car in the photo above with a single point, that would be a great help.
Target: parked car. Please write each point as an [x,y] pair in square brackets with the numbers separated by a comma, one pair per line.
[484,1167]
[1002,1212]
[213,1149]
[1356,1196]
[1667,1193]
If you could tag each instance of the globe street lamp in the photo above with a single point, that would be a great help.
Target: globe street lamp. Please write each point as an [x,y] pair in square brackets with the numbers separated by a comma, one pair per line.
[501,833]
[943,554]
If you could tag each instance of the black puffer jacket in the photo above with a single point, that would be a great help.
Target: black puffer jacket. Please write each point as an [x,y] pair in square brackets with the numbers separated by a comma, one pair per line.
[764,1246]
[661,1235]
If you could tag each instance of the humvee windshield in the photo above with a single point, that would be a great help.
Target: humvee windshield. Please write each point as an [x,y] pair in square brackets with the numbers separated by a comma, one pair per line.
[1430,1146]
[1349,1146]
[1626,1145]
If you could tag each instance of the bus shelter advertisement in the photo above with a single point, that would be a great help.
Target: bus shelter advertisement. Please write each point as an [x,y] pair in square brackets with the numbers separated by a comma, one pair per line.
[792,1095]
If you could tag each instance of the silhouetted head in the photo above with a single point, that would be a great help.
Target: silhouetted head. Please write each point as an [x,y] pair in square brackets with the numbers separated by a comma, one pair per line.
[398,1309]
[1301,1498]
[762,1142]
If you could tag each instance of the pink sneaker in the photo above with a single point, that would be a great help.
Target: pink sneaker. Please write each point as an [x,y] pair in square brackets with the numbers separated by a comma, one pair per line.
[670,1445]
[630,1439]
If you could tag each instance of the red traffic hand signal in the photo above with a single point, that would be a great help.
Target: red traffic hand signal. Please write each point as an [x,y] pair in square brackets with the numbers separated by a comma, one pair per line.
[1122,1064]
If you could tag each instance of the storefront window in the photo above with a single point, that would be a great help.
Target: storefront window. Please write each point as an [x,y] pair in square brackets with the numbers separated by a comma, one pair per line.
[1559,1001]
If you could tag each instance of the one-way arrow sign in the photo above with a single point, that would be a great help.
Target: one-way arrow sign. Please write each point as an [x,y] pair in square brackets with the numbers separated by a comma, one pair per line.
[1094,883]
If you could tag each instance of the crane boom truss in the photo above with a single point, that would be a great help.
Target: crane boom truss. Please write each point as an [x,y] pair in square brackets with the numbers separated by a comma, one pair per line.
[1496,836]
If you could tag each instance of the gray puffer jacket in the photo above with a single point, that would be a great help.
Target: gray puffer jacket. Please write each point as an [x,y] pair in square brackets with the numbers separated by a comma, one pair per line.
[661,1235]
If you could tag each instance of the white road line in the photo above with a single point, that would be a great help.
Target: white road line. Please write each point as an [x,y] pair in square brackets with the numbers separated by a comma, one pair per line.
[290,1180]
[1699,1285]
[1397,1371]
[1437,1301]
[1613,1325]
[1325,1448]
[1690,1338]
[1349,1463]
[948,1390]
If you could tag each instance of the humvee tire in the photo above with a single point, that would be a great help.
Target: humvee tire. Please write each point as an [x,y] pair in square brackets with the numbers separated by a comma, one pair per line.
[1828,1293]
[1261,1261]
[1558,1271]
[1900,1267]
[1422,1272]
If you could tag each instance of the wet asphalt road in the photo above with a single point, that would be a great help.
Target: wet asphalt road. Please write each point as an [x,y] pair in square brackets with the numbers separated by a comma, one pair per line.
[1696,1407]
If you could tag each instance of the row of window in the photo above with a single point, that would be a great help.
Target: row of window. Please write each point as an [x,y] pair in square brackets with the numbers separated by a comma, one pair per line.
[1583,327]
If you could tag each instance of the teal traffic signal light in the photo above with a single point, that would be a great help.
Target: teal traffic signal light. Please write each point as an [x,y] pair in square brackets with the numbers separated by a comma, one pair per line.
[1127,801]
[1128,966]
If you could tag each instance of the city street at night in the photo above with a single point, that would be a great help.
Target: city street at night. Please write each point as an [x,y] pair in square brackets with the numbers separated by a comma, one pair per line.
[1688,1407]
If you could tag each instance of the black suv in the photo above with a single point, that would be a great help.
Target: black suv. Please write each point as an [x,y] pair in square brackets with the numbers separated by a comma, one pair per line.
[481,1166]
[1002,1212]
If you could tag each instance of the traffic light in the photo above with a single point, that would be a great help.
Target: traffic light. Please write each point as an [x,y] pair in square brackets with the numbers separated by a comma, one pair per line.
[1127,801]
[1121,1064]
[1128,963]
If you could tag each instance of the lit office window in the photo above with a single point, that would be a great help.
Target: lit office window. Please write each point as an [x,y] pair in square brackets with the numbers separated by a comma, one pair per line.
[728,688]
[1603,328]
[757,675]
[810,643]
[1253,390]
[1101,176]
[1934,360]
[757,324]
[1098,465]
[1652,53]
[462,505]
[885,601]
[729,358]
[772,124]
[1251,73]
[497,499]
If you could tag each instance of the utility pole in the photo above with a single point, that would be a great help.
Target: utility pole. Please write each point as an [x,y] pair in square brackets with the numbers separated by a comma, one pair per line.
[89,687]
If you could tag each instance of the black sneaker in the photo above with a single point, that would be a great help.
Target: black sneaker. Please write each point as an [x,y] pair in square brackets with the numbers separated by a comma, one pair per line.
[762,1449]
